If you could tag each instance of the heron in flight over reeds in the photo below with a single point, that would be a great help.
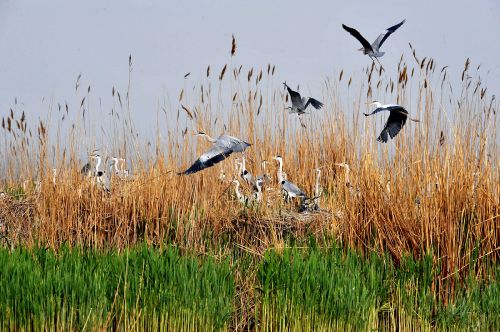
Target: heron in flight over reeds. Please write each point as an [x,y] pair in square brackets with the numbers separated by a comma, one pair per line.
[300,104]
[395,122]
[372,50]
[222,147]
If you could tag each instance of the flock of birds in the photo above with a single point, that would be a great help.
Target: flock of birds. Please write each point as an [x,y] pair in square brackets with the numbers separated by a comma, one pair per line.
[225,145]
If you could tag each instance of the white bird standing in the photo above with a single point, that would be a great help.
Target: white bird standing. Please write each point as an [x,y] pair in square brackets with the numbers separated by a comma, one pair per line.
[373,50]
[395,122]
[300,104]
[222,147]
[241,198]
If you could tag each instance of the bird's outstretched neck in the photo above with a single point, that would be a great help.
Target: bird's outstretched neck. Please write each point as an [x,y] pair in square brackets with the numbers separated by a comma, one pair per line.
[208,137]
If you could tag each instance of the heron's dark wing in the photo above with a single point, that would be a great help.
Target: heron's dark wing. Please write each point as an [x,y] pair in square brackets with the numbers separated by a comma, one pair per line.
[208,159]
[386,108]
[315,103]
[382,38]
[295,97]
[85,169]
[358,36]
[393,126]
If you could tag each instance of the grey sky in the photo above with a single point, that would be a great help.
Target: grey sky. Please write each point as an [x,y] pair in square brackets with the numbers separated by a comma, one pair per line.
[46,44]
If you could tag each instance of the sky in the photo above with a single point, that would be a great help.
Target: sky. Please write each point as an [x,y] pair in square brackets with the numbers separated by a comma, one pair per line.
[45,45]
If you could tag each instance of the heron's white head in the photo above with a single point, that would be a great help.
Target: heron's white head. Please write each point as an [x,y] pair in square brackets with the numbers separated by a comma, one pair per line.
[375,103]
[346,166]
[278,158]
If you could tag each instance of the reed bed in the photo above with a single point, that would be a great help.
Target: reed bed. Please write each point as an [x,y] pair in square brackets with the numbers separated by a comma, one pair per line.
[434,189]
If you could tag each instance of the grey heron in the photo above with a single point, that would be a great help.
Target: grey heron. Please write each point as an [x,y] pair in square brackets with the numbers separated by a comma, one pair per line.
[352,190]
[113,167]
[241,198]
[395,122]
[290,189]
[87,168]
[300,104]
[257,195]
[280,168]
[103,180]
[317,188]
[264,177]
[222,147]
[373,50]
[124,173]
[100,176]
[245,174]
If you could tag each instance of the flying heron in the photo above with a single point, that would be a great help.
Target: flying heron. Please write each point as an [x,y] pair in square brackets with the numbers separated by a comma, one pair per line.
[300,104]
[395,122]
[222,147]
[373,50]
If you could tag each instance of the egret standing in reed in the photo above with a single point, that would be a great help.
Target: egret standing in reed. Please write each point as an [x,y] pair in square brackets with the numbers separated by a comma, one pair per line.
[222,147]
[373,50]
[300,104]
[395,122]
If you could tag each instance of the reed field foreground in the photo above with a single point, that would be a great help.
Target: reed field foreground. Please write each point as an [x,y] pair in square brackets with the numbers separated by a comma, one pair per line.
[407,238]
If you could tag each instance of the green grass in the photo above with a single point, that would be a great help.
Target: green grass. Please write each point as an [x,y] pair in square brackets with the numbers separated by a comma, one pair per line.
[141,287]
[333,289]
[296,288]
